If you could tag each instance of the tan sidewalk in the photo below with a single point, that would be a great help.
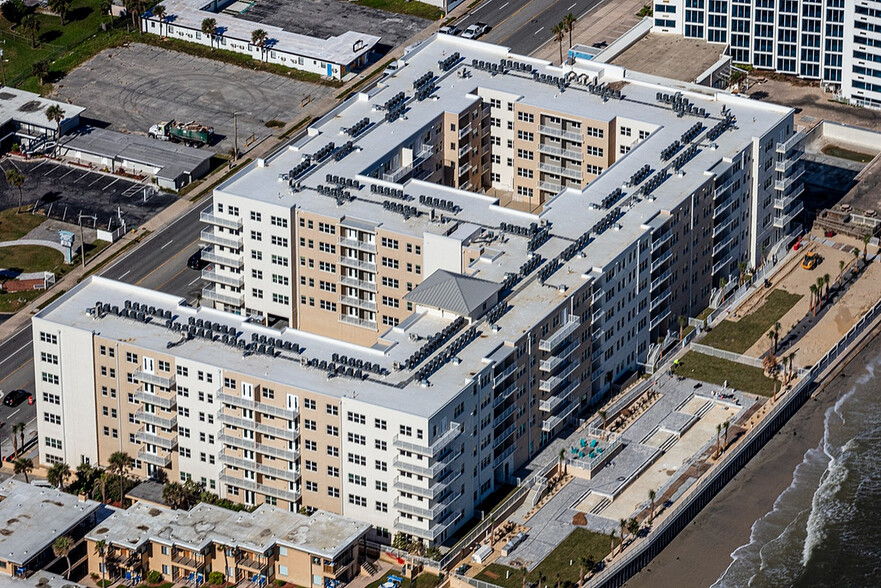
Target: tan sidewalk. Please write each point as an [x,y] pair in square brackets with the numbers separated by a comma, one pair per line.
[605,23]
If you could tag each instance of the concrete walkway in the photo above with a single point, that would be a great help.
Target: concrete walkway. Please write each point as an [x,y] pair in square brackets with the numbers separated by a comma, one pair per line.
[37,242]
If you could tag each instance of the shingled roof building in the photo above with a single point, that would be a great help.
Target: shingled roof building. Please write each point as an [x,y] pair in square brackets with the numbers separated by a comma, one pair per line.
[467,256]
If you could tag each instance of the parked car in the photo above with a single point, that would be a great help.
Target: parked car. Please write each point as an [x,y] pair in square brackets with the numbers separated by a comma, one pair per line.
[16,397]
[476,30]
[449,30]
[394,66]
[196,262]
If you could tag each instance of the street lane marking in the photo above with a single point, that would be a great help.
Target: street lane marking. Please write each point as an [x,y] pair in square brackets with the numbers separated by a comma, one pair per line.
[167,244]
[166,261]
[14,353]
[15,371]
[125,274]
[481,6]
[573,6]
[538,31]
[194,281]
[503,5]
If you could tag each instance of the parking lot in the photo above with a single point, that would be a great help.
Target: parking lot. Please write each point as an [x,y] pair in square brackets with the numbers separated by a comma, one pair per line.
[134,87]
[63,192]
[327,18]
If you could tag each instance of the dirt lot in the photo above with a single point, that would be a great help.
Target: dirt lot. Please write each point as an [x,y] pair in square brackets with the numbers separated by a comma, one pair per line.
[134,87]
[811,103]
[327,18]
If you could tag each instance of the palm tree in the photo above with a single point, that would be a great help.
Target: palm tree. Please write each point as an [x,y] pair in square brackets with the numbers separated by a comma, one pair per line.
[840,271]
[61,8]
[762,261]
[682,322]
[159,13]
[569,22]
[826,281]
[61,548]
[101,486]
[622,525]
[105,7]
[742,267]
[120,463]
[722,283]
[813,296]
[209,29]
[603,415]
[718,435]
[24,465]
[612,537]
[31,26]
[777,329]
[17,426]
[134,8]
[725,427]
[652,496]
[57,474]
[792,365]
[819,292]
[175,495]
[771,340]
[559,30]
[866,239]
[661,352]
[40,69]
[258,38]
[856,260]
[56,114]
[633,527]
[21,435]
[101,551]
[562,457]
[586,561]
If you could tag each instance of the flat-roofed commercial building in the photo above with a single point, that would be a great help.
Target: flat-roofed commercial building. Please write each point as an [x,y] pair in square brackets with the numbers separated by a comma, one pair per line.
[448,314]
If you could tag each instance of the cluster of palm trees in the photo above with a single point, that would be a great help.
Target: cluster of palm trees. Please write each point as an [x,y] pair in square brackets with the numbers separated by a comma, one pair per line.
[722,437]
[567,25]
[625,527]
[818,298]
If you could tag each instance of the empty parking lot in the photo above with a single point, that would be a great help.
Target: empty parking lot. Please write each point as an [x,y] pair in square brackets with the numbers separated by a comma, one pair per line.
[327,18]
[63,192]
[134,87]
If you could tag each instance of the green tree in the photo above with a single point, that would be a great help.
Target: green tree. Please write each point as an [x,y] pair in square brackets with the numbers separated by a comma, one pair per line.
[841,265]
[652,496]
[101,551]
[559,31]
[682,323]
[55,114]
[742,269]
[258,39]
[40,69]
[61,8]
[209,29]
[561,456]
[813,297]
[718,437]
[61,548]
[57,474]
[159,13]
[13,10]
[633,527]
[135,8]
[23,465]
[569,22]
[120,463]
[31,26]
[105,6]
[622,525]
[17,427]
[826,281]
[725,426]
[866,238]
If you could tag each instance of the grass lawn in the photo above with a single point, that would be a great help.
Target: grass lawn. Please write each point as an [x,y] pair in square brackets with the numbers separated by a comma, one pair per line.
[30,258]
[419,9]
[13,301]
[578,544]
[741,335]
[424,580]
[15,226]
[716,370]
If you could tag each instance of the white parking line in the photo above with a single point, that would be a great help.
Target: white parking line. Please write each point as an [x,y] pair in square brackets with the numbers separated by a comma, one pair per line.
[167,244]
[98,179]
[194,281]
[11,355]
[503,5]
[41,163]
[110,184]
[125,274]
[538,31]
[13,414]
[67,174]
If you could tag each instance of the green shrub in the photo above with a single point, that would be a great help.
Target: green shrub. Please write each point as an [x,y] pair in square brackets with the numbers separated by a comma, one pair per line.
[215,578]
[13,10]
[154,577]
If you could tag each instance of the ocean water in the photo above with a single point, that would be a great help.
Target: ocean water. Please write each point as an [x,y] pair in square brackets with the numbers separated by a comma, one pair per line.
[825,528]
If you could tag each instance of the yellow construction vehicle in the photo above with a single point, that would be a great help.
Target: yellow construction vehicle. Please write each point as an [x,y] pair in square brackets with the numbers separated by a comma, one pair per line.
[810,260]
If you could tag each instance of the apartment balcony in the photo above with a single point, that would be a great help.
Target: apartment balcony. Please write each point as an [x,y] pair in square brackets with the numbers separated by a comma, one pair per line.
[421,511]
[145,397]
[786,183]
[142,416]
[574,174]
[358,303]
[249,425]
[504,415]
[465,168]
[281,474]
[499,378]
[359,245]
[148,378]
[465,130]
[430,534]
[356,263]
[184,559]
[402,442]
[658,319]
[719,229]
[550,364]
[428,471]
[781,222]
[209,236]
[261,407]
[664,258]
[289,495]
[504,455]
[207,216]
[550,423]
[360,284]
[722,246]
[550,187]
[226,259]
[464,150]
[785,165]
[724,189]
[162,461]
[226,478]
[784,203]
[661,240]
[233,281]
[659,299]
[424,153]
[552,383]
[261,448]
[721,264]
[232,299]
[551,404]
[437,486]
[558,152]
[724,208]
[503,436]
[561,334]
[790,143]
[255,564]
[142,436]
[357,321]
[560,133]
[660,280]
[506,393]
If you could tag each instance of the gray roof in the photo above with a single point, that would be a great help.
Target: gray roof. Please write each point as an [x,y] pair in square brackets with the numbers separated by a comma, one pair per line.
[173,159]
[457,293]
[30,108]
[32,517]
[149,491]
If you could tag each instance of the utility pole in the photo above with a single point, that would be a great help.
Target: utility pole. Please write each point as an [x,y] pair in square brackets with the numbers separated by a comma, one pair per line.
[2,67]
[82,241]
[235,125]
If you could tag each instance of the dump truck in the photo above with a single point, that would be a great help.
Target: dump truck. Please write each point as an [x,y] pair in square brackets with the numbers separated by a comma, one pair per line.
[191,134]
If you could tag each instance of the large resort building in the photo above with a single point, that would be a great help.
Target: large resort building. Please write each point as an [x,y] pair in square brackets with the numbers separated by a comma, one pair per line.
[415,298]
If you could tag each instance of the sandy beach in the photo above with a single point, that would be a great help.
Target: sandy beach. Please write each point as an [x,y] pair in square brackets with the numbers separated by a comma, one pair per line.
[702,552]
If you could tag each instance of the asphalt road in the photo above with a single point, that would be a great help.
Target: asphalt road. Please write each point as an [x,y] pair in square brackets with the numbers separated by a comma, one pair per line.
[525,25]
[160,264]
